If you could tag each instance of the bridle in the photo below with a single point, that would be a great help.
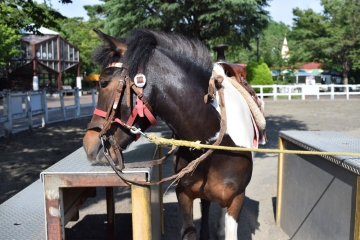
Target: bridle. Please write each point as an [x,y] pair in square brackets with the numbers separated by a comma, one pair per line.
[141,109]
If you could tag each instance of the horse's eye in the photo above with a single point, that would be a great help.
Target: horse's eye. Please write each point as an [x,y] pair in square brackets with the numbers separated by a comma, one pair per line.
[103,84]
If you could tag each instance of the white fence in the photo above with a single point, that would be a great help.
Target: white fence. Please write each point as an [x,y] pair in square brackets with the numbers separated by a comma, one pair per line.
[26,105]
[296,91]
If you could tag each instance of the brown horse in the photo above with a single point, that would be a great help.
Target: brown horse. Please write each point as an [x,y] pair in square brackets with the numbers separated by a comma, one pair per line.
[177,70]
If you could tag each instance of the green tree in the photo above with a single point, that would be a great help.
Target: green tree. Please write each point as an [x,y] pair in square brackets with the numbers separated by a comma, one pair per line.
[80,34]
[28,15]
[270,44]
[332,37]
[202,19]
[8,36]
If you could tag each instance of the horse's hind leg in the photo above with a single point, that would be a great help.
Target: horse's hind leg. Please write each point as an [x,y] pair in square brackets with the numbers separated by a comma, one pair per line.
[188,230]
[204,230]
[231,218]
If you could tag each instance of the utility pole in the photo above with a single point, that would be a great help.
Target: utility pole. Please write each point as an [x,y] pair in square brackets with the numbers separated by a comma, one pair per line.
[257,47]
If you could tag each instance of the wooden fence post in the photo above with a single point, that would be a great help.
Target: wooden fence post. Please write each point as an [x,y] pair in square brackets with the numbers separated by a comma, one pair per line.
[332,92]
[63,110]
[275,91]
[93,98]
[28,110]
[77,102]
[45,118]
[8,114]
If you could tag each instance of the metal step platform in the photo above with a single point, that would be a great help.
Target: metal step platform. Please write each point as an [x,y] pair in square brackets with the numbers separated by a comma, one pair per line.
[31,213]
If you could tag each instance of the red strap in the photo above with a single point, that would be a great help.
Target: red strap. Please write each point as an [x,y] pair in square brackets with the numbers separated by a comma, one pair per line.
[102,113]
[139,104]
[141,110]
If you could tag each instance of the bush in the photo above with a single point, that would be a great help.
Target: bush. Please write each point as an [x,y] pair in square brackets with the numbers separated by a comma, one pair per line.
[258,73]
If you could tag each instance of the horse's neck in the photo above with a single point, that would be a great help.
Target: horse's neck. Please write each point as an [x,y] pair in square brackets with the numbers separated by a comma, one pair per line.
[180,104]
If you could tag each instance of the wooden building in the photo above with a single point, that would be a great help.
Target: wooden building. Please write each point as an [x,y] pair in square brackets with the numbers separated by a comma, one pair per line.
[42,61]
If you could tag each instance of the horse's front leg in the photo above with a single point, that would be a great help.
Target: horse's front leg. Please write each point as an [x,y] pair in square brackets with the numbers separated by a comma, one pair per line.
[188,230]
[228,220]
[204,230]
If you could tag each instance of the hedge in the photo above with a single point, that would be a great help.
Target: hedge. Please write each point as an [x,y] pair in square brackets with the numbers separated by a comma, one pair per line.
[258,73]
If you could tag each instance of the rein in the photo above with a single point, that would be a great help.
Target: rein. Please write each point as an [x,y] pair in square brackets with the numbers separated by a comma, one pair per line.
[143,109]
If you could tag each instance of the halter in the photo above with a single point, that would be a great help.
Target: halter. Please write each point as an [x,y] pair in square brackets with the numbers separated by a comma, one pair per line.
[141,109]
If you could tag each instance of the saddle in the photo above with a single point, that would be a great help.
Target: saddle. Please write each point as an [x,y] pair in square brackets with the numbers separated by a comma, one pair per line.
[238,73]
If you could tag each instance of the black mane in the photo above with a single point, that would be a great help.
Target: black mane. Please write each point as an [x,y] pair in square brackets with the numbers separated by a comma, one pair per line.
[142,43]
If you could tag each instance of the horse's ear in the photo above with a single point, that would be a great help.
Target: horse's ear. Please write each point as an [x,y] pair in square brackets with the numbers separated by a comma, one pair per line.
[114,44]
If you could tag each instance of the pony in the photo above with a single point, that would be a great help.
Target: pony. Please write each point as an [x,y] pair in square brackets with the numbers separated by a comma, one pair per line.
[173,74]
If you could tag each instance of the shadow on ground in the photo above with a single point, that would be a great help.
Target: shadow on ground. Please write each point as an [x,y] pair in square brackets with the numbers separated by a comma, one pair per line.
[275,124]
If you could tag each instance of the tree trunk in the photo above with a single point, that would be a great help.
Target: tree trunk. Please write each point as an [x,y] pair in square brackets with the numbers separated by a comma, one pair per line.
[345,69]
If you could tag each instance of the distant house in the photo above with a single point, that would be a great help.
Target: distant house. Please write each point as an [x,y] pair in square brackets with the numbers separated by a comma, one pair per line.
[312,68]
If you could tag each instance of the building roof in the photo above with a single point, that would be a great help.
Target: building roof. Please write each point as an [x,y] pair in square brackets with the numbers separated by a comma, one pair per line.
[312,65]
[43,30]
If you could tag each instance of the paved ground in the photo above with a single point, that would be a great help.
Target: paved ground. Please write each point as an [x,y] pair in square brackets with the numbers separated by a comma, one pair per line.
[257,220]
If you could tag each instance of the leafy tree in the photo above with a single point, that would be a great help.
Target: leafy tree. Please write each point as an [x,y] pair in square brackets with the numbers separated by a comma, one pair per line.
[28,15]
[8,36]
[202,19]
[258,73]
[80,34]
[332,37]
[270,44]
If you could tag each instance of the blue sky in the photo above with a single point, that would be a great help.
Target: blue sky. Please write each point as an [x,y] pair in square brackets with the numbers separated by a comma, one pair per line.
[280,10]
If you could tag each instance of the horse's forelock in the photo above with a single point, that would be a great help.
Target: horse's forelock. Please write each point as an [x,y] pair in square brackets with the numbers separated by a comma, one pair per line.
[140,46]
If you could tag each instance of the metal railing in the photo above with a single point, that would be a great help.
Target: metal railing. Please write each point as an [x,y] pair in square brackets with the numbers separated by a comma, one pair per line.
[300,91]
[25,106]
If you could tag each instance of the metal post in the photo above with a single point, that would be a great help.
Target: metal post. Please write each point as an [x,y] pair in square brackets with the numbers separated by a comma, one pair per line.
[280,181]
[141,212]
[257,47]
[357,211]
[161,192]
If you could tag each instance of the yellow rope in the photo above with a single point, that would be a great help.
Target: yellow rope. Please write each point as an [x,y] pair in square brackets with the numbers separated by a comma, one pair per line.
[163,141]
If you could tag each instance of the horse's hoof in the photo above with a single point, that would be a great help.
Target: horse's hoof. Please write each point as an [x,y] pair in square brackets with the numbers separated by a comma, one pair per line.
[220,236]
[189,233]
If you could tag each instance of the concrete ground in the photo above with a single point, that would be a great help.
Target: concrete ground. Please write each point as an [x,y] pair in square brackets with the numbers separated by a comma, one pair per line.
[257,220]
